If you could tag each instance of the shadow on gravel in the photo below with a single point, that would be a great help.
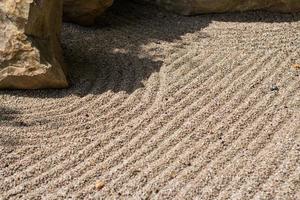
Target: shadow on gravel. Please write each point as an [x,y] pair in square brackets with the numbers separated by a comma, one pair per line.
[6,114]
[109,56]
[7,118]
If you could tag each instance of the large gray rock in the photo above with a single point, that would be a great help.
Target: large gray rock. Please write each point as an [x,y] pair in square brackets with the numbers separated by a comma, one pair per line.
[191,7]
[30,52]
[84,12]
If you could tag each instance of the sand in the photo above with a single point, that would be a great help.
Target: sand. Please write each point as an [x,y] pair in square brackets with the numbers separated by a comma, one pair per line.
[162,107]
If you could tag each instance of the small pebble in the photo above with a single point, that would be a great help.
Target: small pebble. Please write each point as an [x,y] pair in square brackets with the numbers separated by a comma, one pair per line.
[173,174]
[274,88]
[296,66]
[99,184]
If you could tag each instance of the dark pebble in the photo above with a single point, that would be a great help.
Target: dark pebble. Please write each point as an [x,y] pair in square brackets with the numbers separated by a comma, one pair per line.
[274,88]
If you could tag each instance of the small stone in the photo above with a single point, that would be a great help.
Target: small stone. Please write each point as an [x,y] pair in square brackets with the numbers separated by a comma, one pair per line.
[99,184]
[173,174]
[274,88]
[296,66]
[21,123]
[136,171]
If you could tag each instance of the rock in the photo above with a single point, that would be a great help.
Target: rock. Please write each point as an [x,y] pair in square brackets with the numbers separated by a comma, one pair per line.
[84,12]
[191,7]
[30,52]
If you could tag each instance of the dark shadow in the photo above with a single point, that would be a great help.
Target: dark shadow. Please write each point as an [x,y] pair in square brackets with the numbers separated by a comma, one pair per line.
[7,114]
[110,55]
[11,118]
[8,140]
[8,118]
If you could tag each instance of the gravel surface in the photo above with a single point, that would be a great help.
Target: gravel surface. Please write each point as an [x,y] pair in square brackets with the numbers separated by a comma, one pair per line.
[162,107]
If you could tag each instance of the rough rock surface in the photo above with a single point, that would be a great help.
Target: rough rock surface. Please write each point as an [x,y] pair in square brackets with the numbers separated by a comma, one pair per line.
[30,53]
[84,12]
[190,7]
